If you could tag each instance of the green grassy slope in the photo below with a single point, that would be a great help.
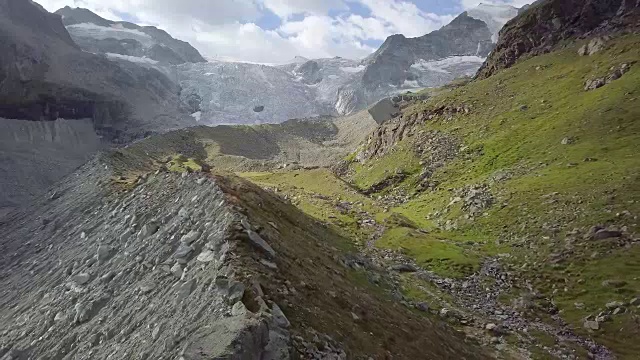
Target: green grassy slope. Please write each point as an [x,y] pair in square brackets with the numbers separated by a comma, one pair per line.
[519,119]
[554,159]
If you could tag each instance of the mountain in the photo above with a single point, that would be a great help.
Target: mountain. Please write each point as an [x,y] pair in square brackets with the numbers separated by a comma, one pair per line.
[45,77]
[95,34]
[491,218]
[547,23]
[339,86]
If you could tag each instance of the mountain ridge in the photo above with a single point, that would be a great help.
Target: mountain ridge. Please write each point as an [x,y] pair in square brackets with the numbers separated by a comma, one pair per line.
[166,49]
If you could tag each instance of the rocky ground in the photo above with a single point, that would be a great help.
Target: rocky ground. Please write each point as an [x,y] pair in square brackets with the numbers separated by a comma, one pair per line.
[190,266]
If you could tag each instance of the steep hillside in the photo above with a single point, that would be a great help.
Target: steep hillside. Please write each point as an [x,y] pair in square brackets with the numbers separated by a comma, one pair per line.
[515,219]
[193,266]
[95,34]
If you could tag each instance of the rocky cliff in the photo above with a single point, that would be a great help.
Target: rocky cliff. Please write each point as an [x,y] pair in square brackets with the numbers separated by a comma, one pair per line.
[45,76]
[547,23]
[95,34]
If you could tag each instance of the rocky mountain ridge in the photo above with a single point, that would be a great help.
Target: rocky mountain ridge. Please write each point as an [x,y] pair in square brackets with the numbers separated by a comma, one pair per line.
[547,23]
[46,77]
[95,34]
[225,93]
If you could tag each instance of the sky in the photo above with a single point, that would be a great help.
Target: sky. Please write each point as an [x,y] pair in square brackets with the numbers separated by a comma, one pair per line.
[276,31]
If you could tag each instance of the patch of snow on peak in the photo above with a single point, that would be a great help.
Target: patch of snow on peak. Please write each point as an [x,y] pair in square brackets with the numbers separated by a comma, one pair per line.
[354,69]
[134,59]
[411,84]
[495,16]
[102,32]
[445,65]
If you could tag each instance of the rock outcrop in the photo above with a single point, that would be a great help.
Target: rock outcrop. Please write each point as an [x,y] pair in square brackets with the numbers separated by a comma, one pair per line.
[547,23]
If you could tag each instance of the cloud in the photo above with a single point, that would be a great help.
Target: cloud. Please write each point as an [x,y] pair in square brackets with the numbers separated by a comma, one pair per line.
[230,29]
[405,17]
[286,8]
[468,4]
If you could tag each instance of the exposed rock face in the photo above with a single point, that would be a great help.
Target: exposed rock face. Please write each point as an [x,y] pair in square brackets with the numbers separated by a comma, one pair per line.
[45,77]
[117,284]
[95,34]
[391,63]
[545,24]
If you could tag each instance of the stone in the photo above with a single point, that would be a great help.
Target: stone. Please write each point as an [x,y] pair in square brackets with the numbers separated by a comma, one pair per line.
[593,84]
[155,333]
[591,325]
[176,270]
[614,283]
[206,256]
[185,290]
[595,45]
[106,278]
[613,304]
[183,251]
[269,264]
[279,317]
[422,306]
[567,141]
[444,312]
[183,214]
[190,238]
[83,312]
[147,286]
[404,268]
[201,181]
[619,310]
[490,327]
[236,292]
[634,302]
[103,253]
[258,242]
[603,234]
[81,279]
[60,316]
[149,229]
[239,309]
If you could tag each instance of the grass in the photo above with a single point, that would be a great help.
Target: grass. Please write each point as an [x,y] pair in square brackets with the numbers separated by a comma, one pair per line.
[401,160]
[181,163]
[518,120]
[551,190]
[442,256]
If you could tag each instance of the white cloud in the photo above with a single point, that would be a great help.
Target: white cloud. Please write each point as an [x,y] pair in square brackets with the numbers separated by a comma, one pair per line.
[405,17]
[286,8]
[468,4]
